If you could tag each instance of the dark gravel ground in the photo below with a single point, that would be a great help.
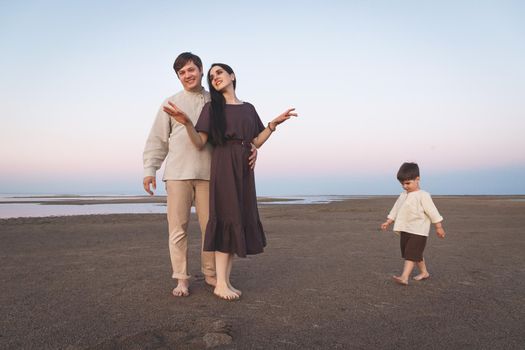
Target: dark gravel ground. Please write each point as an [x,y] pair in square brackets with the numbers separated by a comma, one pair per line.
[324,281]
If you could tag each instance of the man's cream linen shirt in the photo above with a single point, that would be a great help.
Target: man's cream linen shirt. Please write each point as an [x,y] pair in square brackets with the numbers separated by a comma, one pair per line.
[168,139]
[413,212]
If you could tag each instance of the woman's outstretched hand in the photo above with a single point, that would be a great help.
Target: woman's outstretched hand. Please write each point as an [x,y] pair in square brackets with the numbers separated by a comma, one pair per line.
[283,117]
[176,113]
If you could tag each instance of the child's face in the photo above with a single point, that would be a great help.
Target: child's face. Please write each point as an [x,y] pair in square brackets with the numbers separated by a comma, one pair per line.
[411,185]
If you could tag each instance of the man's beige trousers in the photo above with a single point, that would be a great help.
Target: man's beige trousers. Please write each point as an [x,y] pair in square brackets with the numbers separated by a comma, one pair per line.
[181,195]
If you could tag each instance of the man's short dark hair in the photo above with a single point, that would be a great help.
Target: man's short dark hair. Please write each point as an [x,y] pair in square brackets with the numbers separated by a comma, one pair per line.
[184,58]
[408,171]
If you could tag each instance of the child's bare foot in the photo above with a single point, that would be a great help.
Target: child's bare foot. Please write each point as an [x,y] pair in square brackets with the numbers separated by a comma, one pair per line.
[182,289]
[225,293]
[400,281]
[211,280]
[422,276]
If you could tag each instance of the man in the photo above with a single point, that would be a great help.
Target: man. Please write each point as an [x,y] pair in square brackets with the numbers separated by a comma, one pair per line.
[187,170]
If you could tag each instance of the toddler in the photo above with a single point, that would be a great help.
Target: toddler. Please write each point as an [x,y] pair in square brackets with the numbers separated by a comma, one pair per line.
[412,213]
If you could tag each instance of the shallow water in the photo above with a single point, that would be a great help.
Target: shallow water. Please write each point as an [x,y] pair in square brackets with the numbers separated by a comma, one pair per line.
[15,210]
[23,209]
[310,199]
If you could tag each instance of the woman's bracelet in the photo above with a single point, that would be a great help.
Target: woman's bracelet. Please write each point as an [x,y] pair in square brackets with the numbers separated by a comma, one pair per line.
[269,127]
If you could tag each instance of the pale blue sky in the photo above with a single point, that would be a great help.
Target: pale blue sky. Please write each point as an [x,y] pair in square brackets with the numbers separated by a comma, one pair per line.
[376,83]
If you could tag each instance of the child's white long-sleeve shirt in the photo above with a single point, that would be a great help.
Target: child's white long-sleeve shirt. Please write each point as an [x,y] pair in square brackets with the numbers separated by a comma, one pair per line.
[413,212]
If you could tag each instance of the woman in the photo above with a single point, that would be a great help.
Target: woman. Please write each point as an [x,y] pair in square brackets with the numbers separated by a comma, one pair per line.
[231,126]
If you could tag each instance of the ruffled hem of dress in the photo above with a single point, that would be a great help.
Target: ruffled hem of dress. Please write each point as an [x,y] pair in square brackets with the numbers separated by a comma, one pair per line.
[229,237]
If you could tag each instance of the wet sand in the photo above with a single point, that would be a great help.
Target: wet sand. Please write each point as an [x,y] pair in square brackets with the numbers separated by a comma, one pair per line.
[324,281]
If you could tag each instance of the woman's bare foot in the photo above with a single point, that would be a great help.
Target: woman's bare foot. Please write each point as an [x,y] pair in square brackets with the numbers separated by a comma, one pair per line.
[225,293]
[211,280]
[422,276]
[235,290]
[400,281]
[182,289]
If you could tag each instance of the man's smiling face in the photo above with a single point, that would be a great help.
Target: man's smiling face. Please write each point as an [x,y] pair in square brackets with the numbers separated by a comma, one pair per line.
[191,77]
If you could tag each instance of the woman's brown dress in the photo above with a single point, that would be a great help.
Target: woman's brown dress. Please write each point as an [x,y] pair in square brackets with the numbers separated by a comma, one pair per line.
[234,225]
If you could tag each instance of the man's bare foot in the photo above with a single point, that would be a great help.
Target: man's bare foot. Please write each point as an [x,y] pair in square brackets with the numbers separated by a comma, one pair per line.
[422,276]
[225,293]
[182,289]
[400,281]
[210,280]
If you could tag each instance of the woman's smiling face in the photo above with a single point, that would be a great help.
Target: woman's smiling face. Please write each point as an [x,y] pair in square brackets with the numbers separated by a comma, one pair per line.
[220,79]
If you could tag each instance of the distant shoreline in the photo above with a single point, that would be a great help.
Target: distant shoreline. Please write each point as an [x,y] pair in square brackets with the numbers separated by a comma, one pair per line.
[89,200]
[60,206]
[130,199]
[56,205]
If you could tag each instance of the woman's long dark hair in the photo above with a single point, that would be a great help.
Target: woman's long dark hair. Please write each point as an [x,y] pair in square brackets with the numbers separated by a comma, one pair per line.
[218,120]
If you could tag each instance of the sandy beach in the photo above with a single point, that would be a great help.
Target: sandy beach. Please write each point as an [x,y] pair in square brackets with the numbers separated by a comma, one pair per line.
[324,281]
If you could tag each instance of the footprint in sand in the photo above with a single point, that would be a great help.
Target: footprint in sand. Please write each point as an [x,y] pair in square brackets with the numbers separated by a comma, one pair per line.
[192,334]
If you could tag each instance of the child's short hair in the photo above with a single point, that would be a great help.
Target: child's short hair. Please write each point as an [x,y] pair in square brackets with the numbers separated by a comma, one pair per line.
[408,171]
